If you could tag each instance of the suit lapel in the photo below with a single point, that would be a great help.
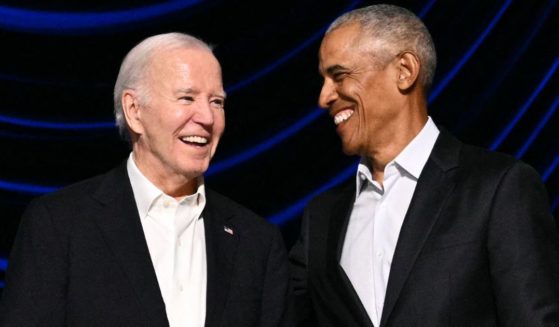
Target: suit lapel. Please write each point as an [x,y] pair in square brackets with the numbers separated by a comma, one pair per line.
[433,189]
[339,220]
[119,221]
[221,249]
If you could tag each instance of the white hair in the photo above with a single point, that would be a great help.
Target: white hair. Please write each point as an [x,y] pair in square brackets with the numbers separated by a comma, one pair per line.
[133,69]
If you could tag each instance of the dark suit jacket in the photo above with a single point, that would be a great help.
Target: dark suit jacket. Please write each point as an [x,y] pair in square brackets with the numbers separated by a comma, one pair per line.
[478,247]
[80,258]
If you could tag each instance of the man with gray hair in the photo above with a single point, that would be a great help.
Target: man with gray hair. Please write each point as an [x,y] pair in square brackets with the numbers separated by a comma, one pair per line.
[147,244]
[431,232]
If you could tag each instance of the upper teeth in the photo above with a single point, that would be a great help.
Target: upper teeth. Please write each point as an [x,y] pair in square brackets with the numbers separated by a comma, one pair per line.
[342,116]
[195,139]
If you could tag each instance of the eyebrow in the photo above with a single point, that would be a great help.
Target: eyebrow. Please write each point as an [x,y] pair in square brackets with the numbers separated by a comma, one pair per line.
[187,90]
[334,68]
[193,91]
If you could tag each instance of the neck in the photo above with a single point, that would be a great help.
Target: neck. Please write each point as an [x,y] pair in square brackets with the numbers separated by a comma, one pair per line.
[393,139]
[175,185]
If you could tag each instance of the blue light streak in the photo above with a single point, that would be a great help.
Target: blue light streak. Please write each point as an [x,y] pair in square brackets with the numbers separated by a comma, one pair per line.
[296,208]
[56,83]
[56,125]
[426,8]
[497,142]
[538,129]
[51,22]
[264,146]
[473,112]
[450,75]
[3,264]
[549,170]
[26,188]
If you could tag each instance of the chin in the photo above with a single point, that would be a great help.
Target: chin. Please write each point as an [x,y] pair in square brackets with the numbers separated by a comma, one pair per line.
[349,150]
[193,171]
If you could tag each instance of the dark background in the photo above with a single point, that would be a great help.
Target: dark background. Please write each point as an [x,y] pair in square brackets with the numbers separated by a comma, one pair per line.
[497,86]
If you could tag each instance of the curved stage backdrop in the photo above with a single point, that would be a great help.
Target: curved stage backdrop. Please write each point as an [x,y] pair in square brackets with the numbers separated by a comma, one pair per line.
[497,86]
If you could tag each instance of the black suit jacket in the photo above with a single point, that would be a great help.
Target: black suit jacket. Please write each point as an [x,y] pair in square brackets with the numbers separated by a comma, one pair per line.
[478,247]
[80,258]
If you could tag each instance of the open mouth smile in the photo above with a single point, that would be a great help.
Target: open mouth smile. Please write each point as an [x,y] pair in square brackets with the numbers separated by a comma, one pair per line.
[195,140]
[342,116]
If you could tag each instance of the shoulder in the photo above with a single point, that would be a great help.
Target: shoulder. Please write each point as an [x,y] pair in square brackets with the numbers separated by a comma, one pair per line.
[492,165]
[58,212]
[86,188]
[492,159]
[477,163]
[77,199]
[72,192]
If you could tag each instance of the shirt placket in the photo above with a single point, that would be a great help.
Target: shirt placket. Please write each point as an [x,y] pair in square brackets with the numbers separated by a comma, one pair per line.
[380,249]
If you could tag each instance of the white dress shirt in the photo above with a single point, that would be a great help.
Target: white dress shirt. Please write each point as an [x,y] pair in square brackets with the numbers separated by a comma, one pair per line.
[377,217]
[174,232]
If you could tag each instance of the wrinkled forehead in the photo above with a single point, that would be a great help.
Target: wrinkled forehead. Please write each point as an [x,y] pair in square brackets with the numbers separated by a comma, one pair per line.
[344,34]
[347,37]
[176,69]
[341,43]
[349,42]
[193,66]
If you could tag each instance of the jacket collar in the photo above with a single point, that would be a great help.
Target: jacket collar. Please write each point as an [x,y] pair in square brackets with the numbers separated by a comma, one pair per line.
[119,222]
[222,237]
[433,190]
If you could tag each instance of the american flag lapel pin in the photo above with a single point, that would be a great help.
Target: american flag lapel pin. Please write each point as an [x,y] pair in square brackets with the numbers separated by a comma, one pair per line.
[228,230]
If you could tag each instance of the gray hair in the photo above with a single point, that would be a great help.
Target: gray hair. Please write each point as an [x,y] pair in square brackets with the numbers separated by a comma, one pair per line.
[135,65]
[397,28]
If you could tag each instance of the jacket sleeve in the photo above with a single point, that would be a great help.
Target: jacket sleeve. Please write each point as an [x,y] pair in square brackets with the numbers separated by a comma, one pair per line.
[276,310]
[523,248]
[36,276]
[298,265]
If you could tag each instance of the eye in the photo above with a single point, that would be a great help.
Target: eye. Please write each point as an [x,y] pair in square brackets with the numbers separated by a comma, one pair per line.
[187,99]
[218,103]
[339,76]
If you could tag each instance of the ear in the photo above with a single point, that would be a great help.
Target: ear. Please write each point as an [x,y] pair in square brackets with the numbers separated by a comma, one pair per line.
[408,70]
[131,110]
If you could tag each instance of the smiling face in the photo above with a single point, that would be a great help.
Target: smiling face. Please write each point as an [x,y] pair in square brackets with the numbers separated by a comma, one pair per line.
[360,90]
[181,118]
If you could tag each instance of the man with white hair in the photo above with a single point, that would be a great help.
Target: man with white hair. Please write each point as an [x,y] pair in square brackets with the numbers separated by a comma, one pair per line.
[147,244]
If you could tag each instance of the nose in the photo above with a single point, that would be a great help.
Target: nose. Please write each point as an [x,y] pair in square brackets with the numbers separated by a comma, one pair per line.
[328,94]
[204,114]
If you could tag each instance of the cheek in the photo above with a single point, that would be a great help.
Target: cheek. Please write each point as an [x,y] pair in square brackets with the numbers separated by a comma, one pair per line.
[354,90]
[362,98]
[154,127]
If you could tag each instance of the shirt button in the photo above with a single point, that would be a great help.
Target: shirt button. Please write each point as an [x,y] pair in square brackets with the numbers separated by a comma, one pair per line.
[379,254]
[180,288]
[179,243]
[166,203]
